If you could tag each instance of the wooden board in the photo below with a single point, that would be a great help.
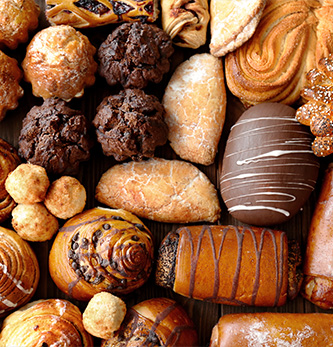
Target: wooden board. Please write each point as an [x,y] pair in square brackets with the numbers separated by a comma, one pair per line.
[205,315]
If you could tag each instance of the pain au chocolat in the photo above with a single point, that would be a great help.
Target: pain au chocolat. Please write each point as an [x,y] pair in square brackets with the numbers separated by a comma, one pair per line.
[268,168]
[101,250]
[229,265]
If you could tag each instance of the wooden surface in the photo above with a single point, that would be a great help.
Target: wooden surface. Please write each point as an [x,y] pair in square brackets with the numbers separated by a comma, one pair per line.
[204,314]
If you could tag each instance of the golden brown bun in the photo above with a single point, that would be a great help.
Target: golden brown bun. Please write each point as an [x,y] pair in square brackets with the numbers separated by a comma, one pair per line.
[52,322]
[155,322]
[19,271]
[101,12]
[9,160]
[195,104]
[273,329]
[226,264]
[318,271]
[233,23]
[170,191]
[101,250]
[291,38]
[186,21]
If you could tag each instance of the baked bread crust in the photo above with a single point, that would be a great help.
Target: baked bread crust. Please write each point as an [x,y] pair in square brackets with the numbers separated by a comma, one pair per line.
[195,104]
[233,23]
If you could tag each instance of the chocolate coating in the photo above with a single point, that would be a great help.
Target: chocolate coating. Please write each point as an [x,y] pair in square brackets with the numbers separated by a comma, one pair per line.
[268,169]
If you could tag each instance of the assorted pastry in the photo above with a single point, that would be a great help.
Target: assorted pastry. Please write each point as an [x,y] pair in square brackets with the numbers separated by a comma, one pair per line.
[276,56]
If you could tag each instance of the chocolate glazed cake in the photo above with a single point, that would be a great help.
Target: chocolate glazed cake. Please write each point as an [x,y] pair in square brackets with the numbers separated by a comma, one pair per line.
[268,169]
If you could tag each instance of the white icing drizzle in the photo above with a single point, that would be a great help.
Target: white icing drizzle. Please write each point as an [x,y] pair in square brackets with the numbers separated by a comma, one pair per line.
[258,207]
[17,283]
[289,197]
[7,302]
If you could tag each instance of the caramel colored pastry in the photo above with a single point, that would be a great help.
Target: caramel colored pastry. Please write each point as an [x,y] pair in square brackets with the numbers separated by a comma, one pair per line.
[66,197]
[155,322]
[273,329]
[318,281]
[170,191]
[17,18]
[59,63]
[92,13]
[229,265]
[233,23]
[186,21]
[10,90]
[195,105]
[101,250]
[19,271]
[52,322]
[27,184]
[33,222]
[103,315]
[318,110]
[291,38]
[9,160]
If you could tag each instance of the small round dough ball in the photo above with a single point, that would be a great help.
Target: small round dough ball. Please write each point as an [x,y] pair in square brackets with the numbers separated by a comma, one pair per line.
[66,197]
[33,222]
[103,315]
[27,184]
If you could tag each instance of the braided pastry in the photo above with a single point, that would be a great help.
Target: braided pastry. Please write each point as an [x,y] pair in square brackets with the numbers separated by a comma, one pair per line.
[92,13]
[318,111]
[52,322]
[101,250]
[9,160]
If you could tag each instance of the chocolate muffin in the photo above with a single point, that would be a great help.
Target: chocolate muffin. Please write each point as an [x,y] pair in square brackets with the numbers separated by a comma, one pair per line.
[55,137]
[135,54]
[130,125]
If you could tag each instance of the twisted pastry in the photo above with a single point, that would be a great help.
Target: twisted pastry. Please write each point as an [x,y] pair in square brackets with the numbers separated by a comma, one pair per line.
[155,322]
[52,322]
[19,271]
[9,160]
[291,38]
[101,250]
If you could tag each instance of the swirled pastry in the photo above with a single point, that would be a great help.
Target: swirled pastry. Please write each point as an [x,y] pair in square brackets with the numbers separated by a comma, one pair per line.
[19,271]
[9,160]
[52,322]
[92,13]
[101,250]
[186,21]
[291,38]
[155,322]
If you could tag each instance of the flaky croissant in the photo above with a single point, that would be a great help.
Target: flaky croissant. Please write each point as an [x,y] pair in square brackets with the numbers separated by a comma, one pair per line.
[101,250]
[52,322]
[155,322]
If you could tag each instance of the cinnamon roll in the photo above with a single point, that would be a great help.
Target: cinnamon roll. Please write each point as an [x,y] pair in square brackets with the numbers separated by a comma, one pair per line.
[101,250]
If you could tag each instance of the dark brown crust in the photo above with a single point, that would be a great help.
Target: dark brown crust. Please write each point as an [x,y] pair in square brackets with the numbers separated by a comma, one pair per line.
[295,275]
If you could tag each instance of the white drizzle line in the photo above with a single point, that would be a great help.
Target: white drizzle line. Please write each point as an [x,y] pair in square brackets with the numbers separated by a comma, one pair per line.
[15,281]
[291,197]
[251,208]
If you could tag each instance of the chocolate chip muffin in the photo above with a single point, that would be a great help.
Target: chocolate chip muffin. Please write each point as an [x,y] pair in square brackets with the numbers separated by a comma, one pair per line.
[135,54]
[55,137]
[130,125]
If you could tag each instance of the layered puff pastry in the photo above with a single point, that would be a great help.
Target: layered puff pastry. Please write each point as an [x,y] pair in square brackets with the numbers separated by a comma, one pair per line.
[85,14]
[195,104]
[291,38]
[186,21]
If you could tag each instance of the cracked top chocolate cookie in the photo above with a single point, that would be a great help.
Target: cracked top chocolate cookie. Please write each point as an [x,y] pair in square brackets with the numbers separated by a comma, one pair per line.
[55,137]
[130,125]
[135,54]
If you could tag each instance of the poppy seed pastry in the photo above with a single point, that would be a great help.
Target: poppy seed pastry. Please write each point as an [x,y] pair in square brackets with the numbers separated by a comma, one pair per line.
[268,168]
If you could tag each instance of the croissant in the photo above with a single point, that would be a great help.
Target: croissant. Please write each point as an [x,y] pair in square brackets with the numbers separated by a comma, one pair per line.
[230,265]
[92,13]
[52,322]
[185,21]
[155,322]
[9,160]
[101,250]
[19,271]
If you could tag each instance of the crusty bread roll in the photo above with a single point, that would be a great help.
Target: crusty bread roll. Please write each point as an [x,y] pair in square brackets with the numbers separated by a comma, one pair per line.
[273,329]
[229,265]
[195,105]
[233,23]
[170,191]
